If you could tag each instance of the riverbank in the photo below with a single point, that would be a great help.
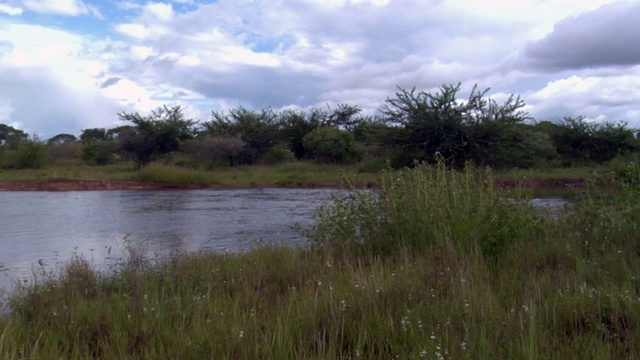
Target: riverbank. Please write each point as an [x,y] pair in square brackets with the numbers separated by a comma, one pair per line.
[432,267]
[67,176]
[82,184]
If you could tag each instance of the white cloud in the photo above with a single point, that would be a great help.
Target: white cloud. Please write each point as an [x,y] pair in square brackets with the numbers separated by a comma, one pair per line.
[160,11]
[605,99]
[60,7]
[133,30]
[10,10]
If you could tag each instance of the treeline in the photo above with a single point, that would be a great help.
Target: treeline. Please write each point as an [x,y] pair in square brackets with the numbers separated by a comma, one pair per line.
[413,126]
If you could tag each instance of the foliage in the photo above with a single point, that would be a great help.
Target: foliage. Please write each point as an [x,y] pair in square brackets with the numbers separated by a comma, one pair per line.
[424,208]
[94,134]
[580,141]
[278,154]
[96,152]
[213,150]
[295,125]
[331,145]
[258,130]
[61,139]
[159,133]
[9,134]
[439,125]
[24,154]
[413,126]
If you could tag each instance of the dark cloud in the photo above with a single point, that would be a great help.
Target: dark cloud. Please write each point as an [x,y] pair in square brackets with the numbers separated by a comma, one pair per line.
[258,86]
[608,36]
[110,81]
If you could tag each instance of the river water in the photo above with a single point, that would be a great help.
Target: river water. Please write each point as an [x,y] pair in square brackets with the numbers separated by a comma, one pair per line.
[50,227]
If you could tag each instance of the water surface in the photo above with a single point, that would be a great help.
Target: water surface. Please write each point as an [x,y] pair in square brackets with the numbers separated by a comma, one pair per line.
[50,227]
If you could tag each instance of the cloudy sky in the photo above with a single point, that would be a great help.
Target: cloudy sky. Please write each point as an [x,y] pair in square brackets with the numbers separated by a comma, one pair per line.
[67,65]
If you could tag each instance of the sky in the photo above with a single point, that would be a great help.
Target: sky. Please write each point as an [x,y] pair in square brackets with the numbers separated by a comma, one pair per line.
[68,65]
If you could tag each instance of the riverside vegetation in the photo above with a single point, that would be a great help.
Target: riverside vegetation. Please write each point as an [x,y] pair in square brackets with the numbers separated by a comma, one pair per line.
[436,264]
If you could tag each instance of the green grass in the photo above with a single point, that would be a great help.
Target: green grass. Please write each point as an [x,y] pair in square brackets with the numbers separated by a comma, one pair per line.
[437,264]
[291,174]
[286,175]
[72,169]
[574,173]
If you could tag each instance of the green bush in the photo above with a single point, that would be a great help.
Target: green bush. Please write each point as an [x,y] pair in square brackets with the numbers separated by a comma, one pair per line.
[425,208]
[97,153]
[331,145]
[25,154]
[278,155]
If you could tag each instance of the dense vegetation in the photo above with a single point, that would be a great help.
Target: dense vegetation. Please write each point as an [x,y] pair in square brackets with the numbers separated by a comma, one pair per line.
[412,127]
[437,265]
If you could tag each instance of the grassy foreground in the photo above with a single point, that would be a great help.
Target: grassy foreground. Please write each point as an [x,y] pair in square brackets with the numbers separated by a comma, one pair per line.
[436,265]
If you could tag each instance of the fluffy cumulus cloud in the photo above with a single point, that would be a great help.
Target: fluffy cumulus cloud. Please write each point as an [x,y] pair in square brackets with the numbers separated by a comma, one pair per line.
[66,65]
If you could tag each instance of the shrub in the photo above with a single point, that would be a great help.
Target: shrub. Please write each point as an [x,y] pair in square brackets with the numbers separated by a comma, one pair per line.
[25,154]
[330,145]
[278,154]
[214,150]
[425,208]
[97,152]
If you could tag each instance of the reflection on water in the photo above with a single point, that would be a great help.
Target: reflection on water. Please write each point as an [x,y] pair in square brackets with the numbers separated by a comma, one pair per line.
[53,225]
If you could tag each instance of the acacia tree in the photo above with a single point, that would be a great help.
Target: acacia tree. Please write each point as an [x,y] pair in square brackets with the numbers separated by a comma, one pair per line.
[9,134]
[258,130]
[331,145]
[212,150]
[439,125]
[579,140]
[154,135]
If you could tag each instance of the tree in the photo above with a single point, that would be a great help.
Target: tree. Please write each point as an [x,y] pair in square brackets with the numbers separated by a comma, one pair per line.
[212,150]
[579,140]
[25,154]
[62,139]
[438,125]
[115,132]
[294,126]
[93,134]
[63,146]
[9,134]
[331,145]
[157,134]
[259,130]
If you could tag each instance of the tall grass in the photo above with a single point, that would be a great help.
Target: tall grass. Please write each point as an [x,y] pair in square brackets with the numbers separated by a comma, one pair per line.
[436,265]
[430,208]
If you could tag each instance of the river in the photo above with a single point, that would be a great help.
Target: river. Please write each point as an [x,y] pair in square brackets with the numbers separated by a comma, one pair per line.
[49,228]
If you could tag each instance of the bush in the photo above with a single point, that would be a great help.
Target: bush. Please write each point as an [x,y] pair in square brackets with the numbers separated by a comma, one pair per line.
[331,145]
[278,154]
[25,154]
[425,208]
[97,152]
[66,151]
[214,150]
